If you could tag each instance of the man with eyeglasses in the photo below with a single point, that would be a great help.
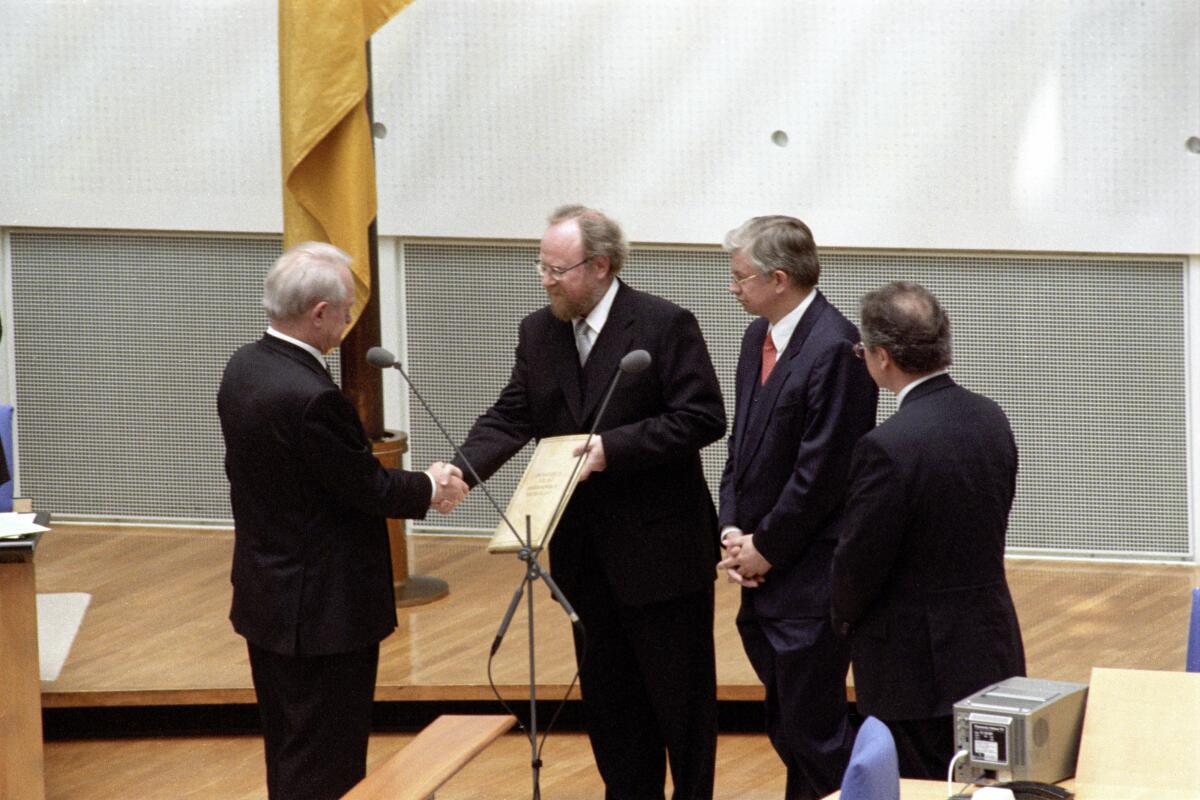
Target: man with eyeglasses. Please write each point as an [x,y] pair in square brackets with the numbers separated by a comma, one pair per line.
[803,400]
[918,578]
[636,548]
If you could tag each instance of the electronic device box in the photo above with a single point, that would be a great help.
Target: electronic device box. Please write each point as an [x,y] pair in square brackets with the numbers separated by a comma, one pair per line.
[1020,729]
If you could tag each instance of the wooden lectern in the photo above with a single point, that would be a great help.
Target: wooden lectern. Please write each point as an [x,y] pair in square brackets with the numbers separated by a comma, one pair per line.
[21,766]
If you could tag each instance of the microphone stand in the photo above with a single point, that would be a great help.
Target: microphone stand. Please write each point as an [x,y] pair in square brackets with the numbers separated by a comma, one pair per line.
[632,362]
[382,359]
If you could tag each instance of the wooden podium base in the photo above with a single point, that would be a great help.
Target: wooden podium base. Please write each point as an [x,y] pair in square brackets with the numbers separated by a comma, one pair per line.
[411,590]
[21,760]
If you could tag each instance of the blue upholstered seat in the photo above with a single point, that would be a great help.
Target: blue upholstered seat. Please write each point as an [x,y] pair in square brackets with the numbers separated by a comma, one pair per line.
[1193,647]
[874,770]
[6,431]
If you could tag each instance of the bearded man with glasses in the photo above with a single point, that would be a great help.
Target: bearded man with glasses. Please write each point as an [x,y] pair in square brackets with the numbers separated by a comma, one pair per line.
[636,548]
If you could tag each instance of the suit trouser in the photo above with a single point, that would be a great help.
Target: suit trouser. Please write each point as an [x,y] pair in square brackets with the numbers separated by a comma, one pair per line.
[924,747]
[803,665]
[316,717]
[649,684]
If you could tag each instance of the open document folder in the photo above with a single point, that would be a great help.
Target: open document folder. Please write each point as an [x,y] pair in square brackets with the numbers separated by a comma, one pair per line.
[543,493]
[15,526]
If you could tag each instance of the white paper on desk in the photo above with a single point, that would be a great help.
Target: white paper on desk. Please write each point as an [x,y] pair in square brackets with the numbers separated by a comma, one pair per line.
[13,525]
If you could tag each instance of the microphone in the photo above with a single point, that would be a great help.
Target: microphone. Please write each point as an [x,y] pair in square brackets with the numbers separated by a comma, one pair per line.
[635,361]
[381,358]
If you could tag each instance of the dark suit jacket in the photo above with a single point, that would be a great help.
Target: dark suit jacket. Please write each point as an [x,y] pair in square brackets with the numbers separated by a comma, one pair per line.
[311,564]
[648,518]
[789,456]
[919,575]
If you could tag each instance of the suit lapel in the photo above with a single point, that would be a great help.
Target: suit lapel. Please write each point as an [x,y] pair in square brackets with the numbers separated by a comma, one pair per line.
[748,370]
[608,350]
[763,408]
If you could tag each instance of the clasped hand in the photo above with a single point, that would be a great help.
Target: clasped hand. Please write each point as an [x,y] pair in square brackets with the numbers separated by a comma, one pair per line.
[449,487]
[743,563]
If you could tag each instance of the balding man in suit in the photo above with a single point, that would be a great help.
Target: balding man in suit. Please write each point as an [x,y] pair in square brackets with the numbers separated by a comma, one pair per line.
[918,578]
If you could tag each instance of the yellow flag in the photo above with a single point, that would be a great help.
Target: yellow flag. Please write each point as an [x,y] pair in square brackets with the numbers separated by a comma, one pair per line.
[328,161]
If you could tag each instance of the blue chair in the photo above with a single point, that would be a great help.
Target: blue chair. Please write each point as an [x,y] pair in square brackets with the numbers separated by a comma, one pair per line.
[874,769]
[6,430]
[1193,651]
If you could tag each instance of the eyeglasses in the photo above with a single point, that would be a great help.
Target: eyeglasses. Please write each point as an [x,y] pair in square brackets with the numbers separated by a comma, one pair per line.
[734,280]
[860,350]
[547,271]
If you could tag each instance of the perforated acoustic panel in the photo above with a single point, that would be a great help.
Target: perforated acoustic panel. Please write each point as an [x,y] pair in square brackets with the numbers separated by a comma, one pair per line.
[1085,354]
[120,342]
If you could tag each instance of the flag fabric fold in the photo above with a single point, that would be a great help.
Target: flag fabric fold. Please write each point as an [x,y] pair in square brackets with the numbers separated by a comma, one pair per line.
[328,158]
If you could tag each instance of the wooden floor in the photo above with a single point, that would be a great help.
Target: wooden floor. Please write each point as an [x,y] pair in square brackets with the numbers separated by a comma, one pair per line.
[157,633]
[157,630]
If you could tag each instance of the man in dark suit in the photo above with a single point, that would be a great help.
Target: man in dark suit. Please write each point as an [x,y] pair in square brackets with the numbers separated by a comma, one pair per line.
[312,577]
[803,400]
[918,578]
[637,544]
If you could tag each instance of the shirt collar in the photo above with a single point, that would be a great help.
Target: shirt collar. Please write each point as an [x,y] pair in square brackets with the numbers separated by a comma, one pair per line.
[781,332]
[302,345]
[599,313]
[903,393]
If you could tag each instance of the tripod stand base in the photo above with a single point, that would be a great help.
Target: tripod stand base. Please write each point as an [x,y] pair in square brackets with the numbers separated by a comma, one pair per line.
[419,590]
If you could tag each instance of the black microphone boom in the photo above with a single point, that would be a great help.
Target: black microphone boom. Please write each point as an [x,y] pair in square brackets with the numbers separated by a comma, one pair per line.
[383,359]
[632,363]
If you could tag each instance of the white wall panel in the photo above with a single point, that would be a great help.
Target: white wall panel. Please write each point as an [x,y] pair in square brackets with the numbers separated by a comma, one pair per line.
[932,124]
[139,114]
[1051,126]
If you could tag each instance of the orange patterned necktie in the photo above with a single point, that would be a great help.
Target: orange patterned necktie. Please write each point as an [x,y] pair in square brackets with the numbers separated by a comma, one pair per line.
[768,357]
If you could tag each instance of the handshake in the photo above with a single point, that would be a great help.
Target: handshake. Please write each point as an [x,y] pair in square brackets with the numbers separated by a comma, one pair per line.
[449,487]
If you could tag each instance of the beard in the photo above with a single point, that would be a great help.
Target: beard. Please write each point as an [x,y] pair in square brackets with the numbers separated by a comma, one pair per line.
[568,308]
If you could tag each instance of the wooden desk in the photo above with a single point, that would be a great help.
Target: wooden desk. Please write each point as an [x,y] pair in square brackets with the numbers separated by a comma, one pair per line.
[936,790]
[21,768]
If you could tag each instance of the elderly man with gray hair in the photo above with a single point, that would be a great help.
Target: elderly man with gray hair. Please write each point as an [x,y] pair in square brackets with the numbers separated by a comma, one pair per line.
[918,577]
[312,576]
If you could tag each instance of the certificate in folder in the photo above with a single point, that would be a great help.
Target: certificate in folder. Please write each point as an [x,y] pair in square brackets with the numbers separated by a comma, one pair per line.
[543,493]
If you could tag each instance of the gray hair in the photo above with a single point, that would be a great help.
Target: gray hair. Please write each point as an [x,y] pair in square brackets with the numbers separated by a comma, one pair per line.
[907,321]
[778,242]
[303,276]
[601,235]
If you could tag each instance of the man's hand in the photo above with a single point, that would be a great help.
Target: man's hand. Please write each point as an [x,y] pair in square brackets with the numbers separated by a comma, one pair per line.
[451,489]
[744,564]
[595,458]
